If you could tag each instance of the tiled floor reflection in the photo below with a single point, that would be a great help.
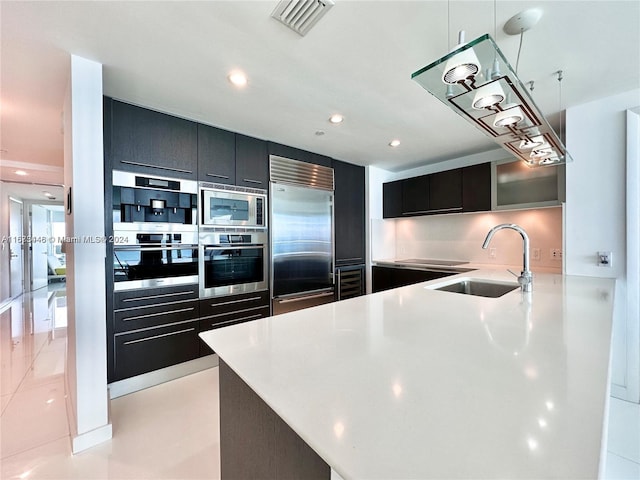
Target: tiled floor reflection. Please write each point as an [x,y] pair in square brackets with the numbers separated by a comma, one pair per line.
[168,431]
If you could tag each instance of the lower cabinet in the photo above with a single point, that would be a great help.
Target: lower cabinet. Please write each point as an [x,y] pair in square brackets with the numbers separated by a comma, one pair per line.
[158,327]
[222,311]
[386,278]
[142,351]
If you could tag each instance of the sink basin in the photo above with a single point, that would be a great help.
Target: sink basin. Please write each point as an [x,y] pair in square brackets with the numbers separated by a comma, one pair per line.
[480,288]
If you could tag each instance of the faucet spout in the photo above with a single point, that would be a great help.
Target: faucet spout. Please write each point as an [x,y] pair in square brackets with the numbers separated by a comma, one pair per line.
[526,277]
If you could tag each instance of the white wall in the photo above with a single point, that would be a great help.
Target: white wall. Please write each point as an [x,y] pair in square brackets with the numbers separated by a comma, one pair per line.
[460,237]
[595,214]
[86,310]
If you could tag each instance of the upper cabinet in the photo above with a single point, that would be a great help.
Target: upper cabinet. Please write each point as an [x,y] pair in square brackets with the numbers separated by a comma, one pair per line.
[252,162]
[476,188]
[424,195]
[349,213]
[150,142]
[445,191]
[518,186]
[297,154]
[216,155]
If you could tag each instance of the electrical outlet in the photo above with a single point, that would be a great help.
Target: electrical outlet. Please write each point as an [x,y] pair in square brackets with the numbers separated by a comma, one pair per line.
[535,253]
[605,259]
[492,252]
[556,253]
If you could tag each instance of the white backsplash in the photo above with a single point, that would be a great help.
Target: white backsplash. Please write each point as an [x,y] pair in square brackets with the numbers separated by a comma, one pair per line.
[460,237]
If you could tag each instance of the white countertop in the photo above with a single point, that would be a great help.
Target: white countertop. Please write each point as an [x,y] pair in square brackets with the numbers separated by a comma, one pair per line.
[419,383]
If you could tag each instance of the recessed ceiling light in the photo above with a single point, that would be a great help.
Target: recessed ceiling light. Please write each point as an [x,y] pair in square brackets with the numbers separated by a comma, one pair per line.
[319,133]
[47,194]
[22,173]
[336,118]
[394,143]
[238,78]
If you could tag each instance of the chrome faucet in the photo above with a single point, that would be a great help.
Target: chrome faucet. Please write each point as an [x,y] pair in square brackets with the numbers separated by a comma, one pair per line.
[526,277]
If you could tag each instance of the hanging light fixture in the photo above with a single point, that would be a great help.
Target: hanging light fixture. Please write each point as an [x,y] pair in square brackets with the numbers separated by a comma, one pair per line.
[478,83]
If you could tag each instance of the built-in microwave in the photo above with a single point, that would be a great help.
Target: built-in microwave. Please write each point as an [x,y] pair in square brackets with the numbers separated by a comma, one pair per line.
[229,206]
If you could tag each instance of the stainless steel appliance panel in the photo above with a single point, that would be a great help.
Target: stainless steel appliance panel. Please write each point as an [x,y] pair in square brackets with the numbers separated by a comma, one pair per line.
[232,206]
[154,259]
[232,263]
[301,239]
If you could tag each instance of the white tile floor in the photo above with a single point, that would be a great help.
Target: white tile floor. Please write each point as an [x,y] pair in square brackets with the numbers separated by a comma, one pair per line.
[168,431]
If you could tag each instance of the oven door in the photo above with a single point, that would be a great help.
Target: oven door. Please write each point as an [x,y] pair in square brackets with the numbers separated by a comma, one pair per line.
[232,269]
[154,265]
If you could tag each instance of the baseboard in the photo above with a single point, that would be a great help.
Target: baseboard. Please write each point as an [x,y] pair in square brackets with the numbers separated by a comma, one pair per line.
[146,380]
[92,438]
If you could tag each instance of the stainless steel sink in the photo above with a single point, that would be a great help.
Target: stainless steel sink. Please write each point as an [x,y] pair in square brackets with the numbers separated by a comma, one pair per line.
[479,288]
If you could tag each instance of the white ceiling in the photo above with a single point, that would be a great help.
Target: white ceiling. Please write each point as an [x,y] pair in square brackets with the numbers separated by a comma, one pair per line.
[358,60]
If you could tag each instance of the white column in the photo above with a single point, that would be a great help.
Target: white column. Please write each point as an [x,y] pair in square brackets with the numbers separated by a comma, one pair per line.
[86,310]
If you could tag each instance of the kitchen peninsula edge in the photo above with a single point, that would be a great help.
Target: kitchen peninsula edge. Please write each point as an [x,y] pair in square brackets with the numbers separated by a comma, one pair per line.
[420,383]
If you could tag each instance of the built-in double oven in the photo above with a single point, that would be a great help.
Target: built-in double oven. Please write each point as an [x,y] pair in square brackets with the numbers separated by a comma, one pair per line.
[233,241]
[155,231]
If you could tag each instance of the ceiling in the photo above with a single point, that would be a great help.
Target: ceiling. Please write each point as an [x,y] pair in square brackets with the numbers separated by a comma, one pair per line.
[175,57]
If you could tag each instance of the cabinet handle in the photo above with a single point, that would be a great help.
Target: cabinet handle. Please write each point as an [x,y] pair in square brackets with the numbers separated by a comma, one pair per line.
[160,295]
[160,336]
[231,313]
[310,297]
[349,259]
[215,175]
[252,181]
[142,307]
[250,317]
[234,301]
[452,209]
[165,312]
[159,167]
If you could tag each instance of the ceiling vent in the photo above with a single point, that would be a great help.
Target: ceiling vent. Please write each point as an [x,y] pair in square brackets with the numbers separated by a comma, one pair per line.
[301,15]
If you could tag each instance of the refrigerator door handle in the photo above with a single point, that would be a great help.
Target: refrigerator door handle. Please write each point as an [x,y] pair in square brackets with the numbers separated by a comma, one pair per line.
[309,297]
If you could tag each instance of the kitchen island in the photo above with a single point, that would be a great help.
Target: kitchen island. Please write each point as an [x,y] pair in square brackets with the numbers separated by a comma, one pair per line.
[420,383]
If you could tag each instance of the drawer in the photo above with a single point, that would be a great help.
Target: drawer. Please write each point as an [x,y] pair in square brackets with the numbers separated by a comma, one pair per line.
[134,318]
[154,296]
[149,349]
[230,303]
[229,318]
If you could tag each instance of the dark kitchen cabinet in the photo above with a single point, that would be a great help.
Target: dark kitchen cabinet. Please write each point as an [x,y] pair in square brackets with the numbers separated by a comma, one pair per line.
[298,154]
[216,155]
[349,213]
[415,195]
[392,199]
[142,351]
[252,162]
[146,141]
[386,278]
[152,328]
[476,188]
[222,311]
[445,191]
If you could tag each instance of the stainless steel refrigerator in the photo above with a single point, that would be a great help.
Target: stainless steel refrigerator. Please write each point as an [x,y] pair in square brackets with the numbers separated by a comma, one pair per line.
[302,236]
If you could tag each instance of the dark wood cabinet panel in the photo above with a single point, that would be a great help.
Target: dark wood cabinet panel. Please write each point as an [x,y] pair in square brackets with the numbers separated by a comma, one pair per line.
[386,278]
[349,213]
[143,351]
[445,191]
[222,311]
[216,155]
[476,188]
[255,442]
[392,199]
[145,141]
[415,195]
[252,162]
[298,154]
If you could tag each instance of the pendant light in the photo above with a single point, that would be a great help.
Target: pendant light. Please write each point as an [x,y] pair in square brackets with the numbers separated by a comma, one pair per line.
[478,83]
